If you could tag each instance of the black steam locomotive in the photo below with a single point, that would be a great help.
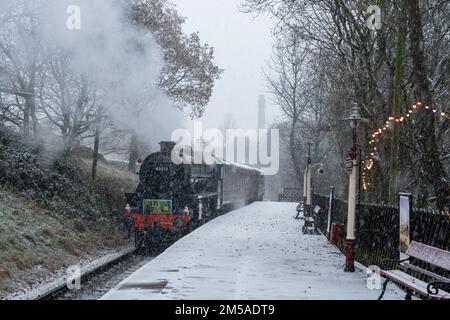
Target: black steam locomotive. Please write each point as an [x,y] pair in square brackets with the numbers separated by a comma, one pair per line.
[172,199]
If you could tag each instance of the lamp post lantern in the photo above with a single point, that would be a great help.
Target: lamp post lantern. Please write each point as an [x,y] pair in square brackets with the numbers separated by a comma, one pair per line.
[352,163]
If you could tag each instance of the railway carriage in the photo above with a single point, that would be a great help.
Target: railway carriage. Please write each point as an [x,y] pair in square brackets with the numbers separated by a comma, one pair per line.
[172,199]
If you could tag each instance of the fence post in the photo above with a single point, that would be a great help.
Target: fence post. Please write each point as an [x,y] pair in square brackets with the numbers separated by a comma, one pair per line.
[330,209]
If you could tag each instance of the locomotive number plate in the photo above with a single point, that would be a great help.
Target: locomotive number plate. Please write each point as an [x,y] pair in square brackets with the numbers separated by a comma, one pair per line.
[162,169]
[157,206]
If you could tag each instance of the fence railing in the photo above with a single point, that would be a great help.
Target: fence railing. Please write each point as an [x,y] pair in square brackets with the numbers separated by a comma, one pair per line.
[377,228]
[290,194]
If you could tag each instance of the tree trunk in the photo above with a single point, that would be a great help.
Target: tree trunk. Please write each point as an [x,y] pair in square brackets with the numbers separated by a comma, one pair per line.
[30,118]
[98,121]
[133,153]
[96,147]
[26,118]
[394,154]
[433,171]
[32,101]
[293,152]
[34,119]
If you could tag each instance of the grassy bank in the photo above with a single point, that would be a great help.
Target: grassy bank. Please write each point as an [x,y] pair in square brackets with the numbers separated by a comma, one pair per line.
[51,214]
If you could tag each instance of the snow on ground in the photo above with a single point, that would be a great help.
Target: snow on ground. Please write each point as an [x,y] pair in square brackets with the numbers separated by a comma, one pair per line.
[256,252]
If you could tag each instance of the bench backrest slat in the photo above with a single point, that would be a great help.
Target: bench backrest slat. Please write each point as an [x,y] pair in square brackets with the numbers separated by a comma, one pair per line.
[437,257]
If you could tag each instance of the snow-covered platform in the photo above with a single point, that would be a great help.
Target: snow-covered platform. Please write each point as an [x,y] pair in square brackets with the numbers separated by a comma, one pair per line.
[256,252]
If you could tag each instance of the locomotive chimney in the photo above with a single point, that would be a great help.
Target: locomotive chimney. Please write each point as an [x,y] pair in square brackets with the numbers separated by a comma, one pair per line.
[167,146]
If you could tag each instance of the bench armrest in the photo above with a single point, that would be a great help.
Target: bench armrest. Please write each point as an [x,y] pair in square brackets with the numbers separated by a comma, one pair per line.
[387,261]
[434,286]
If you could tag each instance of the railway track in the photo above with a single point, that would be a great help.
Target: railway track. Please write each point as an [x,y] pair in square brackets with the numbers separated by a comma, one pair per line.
[97,281]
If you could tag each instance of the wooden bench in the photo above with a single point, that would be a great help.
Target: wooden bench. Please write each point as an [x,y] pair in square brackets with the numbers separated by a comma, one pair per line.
[436,289]
[310,226]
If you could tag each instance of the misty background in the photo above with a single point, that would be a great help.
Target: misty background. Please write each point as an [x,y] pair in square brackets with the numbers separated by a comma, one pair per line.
[138,70]
[243,44]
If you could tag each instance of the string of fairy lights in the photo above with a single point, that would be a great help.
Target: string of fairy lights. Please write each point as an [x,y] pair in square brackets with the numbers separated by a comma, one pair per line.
[379,133]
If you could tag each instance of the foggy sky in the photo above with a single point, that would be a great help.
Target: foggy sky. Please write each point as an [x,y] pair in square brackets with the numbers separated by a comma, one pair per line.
[242,45]
[128,78]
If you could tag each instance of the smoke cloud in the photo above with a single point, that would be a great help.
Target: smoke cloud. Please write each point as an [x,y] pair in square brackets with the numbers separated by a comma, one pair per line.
[121,59]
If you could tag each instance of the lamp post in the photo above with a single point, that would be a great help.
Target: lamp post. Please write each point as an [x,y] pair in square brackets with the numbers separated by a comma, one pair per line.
[304,188]
[307,184]
[352,164]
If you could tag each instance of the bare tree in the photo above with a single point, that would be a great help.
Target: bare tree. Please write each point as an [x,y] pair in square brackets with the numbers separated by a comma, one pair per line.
[21,59]
[66,99]
[368,68]
[285,80]
[188,74]
[434,172]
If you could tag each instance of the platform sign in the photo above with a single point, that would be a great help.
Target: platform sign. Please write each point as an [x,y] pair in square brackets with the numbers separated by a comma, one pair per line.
[152,206]
[405,231]
[316,209]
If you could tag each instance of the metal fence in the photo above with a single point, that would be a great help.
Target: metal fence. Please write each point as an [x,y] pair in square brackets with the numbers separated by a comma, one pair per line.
[290,194]
[377,229]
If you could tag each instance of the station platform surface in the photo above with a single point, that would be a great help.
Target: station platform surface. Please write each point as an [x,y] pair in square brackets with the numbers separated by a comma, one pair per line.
[257,252]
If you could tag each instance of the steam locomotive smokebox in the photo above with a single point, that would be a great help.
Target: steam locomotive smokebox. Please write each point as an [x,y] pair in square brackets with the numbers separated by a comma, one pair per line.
[337,233]
[167,146]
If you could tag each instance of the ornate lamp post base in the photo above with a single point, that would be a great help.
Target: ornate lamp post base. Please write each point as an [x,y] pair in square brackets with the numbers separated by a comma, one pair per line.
[349,255]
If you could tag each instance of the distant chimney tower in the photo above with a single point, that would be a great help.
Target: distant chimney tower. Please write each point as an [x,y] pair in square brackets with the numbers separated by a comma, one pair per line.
[261,119]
